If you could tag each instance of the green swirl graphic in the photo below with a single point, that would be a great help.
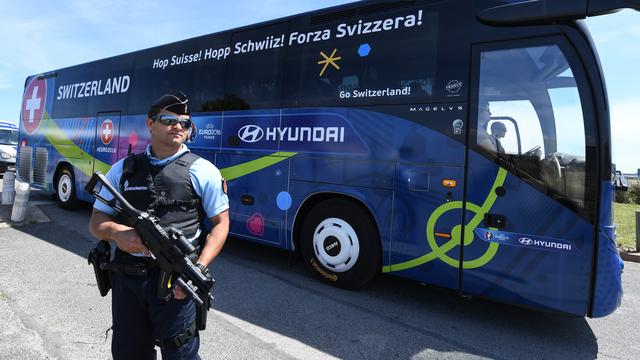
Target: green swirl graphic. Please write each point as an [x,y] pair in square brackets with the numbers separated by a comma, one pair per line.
[440,252]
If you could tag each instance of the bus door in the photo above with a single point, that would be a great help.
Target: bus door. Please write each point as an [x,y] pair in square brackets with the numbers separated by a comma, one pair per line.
[531,169]
[106,139]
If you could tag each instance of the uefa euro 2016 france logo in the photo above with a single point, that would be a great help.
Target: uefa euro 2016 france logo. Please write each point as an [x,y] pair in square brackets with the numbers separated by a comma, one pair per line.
[106,131]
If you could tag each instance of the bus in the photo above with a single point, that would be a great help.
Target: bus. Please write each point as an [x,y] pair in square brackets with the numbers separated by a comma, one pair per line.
[355,137]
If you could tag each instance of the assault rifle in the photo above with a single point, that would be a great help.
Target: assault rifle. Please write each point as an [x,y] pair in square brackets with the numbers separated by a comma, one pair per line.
[170,249]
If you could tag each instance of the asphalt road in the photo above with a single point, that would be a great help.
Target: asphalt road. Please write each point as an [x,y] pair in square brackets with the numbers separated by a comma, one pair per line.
[50,309]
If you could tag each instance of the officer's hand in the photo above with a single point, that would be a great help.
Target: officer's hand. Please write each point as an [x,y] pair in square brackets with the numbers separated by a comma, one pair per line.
[129,241]
[178,293]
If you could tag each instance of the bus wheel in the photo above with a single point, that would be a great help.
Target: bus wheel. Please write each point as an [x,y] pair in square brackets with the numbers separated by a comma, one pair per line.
[340,244]
[66,189]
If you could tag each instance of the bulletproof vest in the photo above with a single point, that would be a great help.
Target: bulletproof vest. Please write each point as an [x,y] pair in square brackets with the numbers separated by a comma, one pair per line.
[164,191]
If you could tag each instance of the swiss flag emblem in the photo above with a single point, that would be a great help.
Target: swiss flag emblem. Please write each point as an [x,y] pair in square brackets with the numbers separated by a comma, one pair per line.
[106,132]
[33,104]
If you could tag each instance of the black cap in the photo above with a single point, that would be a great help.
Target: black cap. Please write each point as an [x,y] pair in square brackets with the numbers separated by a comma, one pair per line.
[174,102]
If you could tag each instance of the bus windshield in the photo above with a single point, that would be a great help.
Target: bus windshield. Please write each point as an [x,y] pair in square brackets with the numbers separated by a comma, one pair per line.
[536,118]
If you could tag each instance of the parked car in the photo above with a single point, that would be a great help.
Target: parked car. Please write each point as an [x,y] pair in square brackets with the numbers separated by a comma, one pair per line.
[8,146]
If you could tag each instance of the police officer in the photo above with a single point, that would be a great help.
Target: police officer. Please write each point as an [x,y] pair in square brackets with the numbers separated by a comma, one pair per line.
[180,188]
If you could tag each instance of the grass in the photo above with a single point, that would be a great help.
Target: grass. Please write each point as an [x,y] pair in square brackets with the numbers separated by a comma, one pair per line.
[625,219]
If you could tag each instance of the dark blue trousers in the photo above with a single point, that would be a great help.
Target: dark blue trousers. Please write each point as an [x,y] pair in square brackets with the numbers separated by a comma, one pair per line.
[140,318]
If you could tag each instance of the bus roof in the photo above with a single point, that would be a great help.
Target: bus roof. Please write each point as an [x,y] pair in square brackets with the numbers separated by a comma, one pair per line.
[327,13]
[539,11]
[514,12]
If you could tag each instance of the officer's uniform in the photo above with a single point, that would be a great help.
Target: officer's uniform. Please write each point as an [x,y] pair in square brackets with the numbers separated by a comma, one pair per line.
[181,191]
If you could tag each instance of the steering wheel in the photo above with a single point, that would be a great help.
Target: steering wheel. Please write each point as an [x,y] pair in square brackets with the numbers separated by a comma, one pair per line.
[533,151]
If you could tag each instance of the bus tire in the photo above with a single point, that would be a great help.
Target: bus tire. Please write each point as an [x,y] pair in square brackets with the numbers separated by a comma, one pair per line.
[66,189]
[339,243]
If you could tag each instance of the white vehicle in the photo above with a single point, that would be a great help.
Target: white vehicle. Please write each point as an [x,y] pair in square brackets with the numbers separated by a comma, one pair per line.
[8,146]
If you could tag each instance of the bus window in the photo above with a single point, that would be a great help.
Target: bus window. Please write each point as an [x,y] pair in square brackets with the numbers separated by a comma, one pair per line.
[381,67]
[151,80]
[207,93]
[254,70]
[566,105]
[532,94]
[70,101]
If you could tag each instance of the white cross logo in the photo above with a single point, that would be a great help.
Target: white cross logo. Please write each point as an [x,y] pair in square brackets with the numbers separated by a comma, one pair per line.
[106,131]
[33,104]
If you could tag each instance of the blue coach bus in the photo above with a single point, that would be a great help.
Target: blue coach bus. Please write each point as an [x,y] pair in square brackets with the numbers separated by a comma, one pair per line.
[460,144]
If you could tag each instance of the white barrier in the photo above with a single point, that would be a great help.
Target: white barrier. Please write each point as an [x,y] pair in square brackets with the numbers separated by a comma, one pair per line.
[19,210]
[8,187]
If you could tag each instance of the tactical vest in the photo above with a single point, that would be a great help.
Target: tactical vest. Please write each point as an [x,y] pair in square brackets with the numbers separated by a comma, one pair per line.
[164,191]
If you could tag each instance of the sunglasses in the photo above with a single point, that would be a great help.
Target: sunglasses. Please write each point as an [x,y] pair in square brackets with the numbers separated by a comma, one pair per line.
[170,120]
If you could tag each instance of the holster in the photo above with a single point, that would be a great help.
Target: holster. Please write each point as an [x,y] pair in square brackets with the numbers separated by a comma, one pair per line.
[98,256]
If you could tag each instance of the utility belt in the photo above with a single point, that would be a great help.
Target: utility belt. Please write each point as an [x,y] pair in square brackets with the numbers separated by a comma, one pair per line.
[124,263]
[128,264]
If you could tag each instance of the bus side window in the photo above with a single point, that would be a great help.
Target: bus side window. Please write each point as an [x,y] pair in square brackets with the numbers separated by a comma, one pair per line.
[151,81]
[255,66]
[207,93]
[345,70]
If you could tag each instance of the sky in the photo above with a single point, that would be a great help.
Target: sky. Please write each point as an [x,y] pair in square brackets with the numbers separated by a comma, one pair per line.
[39,36]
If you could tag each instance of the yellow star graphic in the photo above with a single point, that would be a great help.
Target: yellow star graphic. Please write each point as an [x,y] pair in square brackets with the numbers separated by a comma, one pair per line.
[329,60]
